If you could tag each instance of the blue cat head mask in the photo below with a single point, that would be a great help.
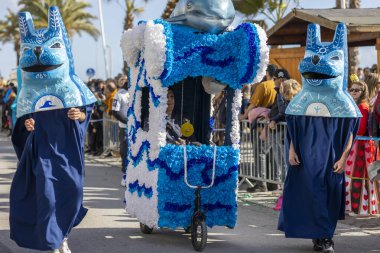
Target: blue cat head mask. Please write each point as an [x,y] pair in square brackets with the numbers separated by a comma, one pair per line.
[325,63]
[46,61]
[324,73]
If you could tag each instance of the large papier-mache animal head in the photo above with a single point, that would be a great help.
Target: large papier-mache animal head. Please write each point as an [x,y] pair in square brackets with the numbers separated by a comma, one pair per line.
[212,16]
[324,73]
[325,63]
[47,67]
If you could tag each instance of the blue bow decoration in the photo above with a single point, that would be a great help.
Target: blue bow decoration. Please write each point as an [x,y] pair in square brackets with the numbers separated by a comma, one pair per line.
[233,58]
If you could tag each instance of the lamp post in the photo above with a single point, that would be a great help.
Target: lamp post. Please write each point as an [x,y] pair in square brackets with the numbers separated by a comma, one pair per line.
[110,59]
[103,37]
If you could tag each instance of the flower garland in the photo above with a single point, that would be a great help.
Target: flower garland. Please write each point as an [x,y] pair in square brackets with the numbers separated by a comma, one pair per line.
[235,129]
[156,192]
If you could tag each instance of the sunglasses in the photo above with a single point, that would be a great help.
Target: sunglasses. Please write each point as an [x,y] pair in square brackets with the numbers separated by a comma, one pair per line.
[355,90]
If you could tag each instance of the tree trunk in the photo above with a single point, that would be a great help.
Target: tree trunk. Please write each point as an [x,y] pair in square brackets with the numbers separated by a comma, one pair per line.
[171,4]
[355,4]
[339,4]
[353,52]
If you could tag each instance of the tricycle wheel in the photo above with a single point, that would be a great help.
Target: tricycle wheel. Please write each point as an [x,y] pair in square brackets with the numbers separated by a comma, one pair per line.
[145,229]
[199,234]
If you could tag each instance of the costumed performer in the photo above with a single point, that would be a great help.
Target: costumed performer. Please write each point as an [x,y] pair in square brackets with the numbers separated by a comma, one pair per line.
[322,122]
[53,111]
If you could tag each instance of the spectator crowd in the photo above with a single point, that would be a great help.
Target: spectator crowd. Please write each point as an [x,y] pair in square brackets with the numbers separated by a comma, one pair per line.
[265,102]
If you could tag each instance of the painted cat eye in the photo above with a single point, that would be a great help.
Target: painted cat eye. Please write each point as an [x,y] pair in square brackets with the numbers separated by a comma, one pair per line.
[56,45]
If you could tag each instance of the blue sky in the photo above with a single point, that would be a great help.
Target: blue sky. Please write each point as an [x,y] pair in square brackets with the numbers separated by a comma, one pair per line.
[89,53]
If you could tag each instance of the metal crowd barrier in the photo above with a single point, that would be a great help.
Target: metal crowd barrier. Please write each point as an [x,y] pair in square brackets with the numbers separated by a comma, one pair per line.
[262,153]
[263,159]
[111,140]
[110,134]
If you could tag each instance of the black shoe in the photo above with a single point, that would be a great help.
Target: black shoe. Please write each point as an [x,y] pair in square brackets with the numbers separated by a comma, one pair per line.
[318,244]
[273,187]
[257,188]
[328,246]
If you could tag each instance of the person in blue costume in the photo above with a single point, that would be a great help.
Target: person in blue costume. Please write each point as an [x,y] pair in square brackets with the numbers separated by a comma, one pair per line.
[53,111]
[322,122]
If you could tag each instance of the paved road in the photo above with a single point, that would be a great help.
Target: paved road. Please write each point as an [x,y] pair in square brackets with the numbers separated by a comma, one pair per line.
[108,229]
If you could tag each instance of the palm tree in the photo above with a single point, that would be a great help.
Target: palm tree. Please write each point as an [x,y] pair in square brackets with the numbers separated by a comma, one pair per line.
[130,11]
[74,15]
[170,5]
[355,4]
[353,52]
[9,31]
[274,10]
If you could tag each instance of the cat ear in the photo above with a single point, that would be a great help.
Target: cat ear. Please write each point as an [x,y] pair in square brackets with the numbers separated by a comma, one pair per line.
[26,25]
[313,36]
[55,19]
[340,36]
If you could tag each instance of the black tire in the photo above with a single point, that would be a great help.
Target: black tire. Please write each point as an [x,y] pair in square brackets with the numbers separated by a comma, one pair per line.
[145,229]
[199,234]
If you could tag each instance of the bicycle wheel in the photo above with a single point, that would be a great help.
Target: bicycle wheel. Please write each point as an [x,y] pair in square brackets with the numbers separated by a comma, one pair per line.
[199,234]
[145,229]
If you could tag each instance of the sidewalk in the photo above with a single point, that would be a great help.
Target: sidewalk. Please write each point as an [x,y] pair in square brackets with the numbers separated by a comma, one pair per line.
[267,199]
[107,228]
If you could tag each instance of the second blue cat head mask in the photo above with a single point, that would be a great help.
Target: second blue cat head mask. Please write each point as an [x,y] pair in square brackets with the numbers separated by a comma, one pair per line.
[48,76]
[324,73]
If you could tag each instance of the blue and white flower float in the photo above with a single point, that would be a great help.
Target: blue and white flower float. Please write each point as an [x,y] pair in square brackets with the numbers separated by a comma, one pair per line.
[160,54]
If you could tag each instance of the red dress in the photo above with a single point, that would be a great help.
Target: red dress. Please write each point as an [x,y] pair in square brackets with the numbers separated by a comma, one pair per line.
[362,195]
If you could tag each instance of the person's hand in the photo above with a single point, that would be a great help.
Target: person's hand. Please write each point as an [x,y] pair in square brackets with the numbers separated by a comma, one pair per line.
[180,141]
[242,117]
[76,114]
[339,166]
[29,125]
[272,124]
[293,158]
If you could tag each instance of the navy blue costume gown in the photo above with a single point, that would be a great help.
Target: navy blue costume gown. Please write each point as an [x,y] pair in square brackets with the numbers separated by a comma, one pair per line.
[47,189]
[314,196]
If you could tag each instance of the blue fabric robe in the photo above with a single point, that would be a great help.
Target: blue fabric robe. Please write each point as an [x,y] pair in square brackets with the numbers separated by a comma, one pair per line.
[47,190]
[314,196]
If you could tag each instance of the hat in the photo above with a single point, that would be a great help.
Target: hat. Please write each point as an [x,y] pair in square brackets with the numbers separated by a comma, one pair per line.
[271,69]
[281,73]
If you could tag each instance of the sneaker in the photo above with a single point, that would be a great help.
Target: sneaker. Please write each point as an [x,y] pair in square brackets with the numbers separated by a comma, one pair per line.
[64,247]
[55,251]
[318,244]
[272,187]
[124,180]
[328,246]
